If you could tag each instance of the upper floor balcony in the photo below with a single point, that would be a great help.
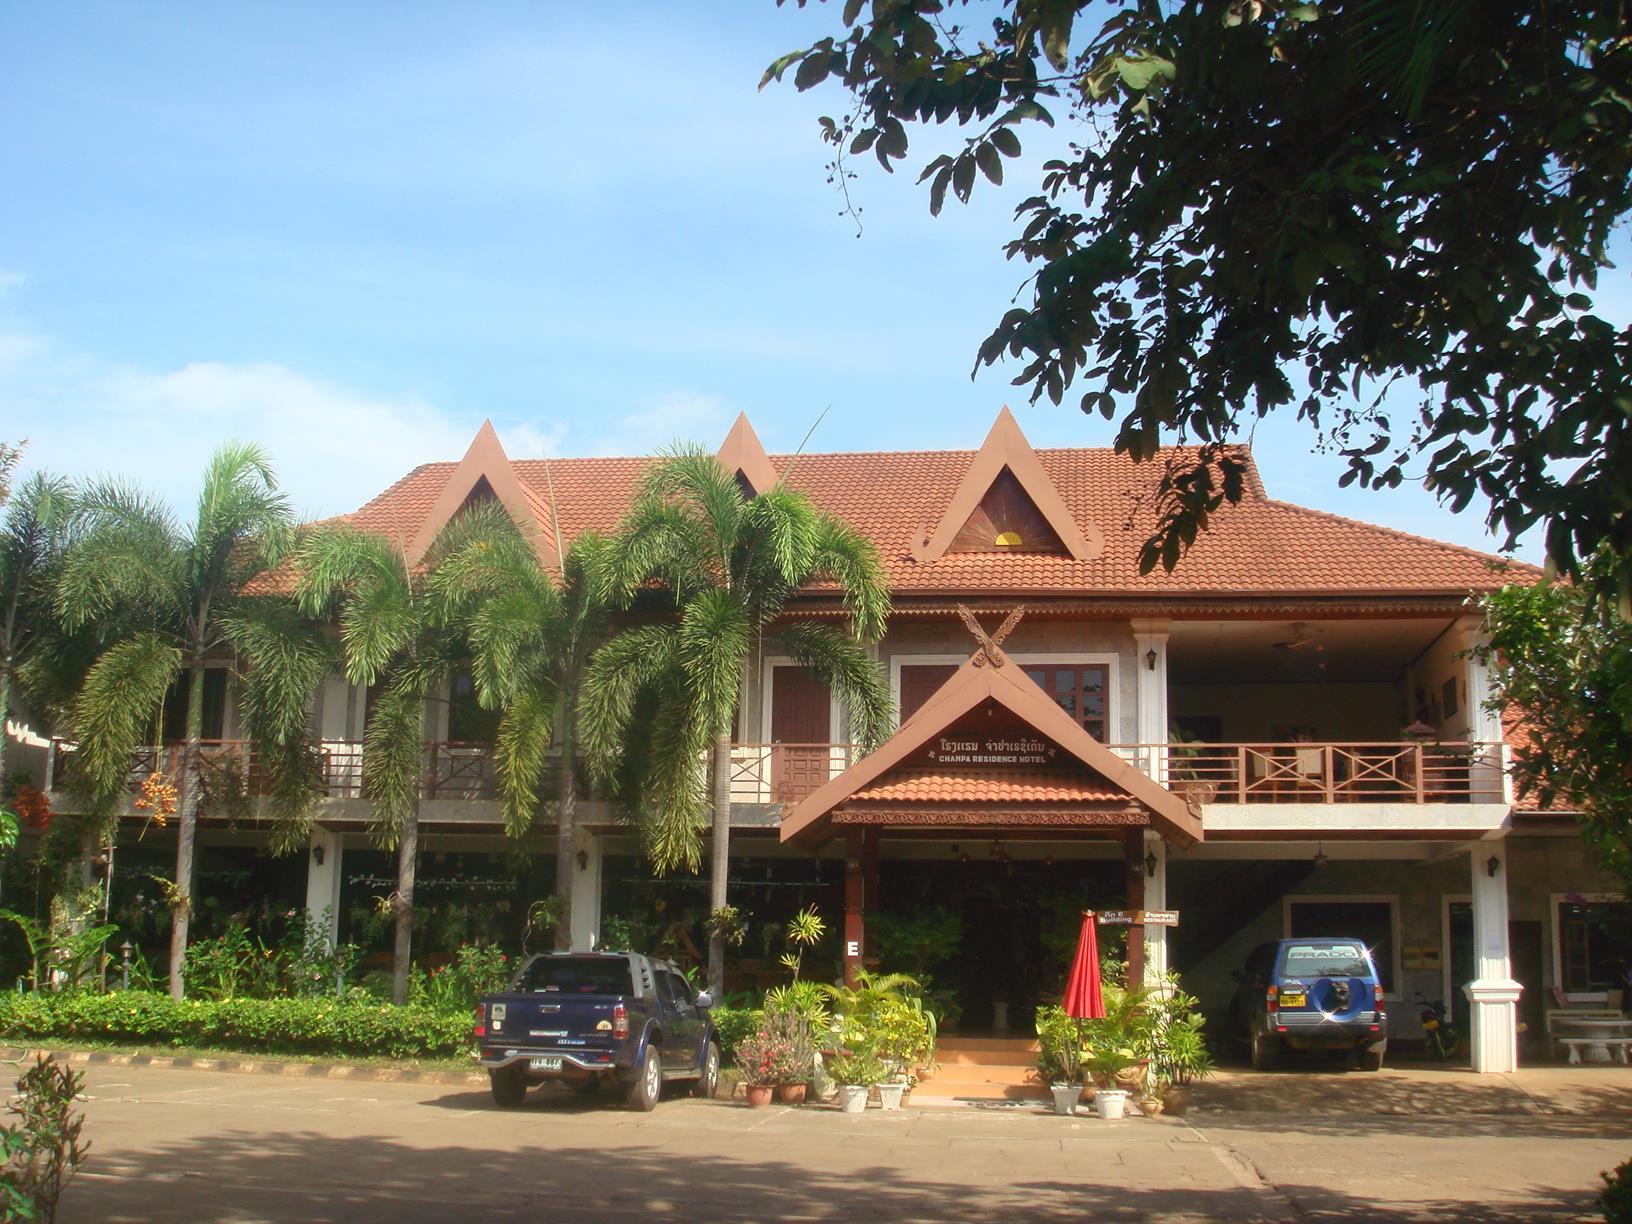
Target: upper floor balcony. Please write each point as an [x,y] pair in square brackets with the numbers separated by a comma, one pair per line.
[1215,775]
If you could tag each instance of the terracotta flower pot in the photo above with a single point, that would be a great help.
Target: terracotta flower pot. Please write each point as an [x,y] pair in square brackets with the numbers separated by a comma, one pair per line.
[759,1095]
[1176,1099]
[791,1094]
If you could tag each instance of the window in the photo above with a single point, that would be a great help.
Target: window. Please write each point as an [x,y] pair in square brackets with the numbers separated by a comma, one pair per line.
[1369,921]
[599,975]
[215,706]
[1594,945]
[1080,691]
[1326,958]
[676,990]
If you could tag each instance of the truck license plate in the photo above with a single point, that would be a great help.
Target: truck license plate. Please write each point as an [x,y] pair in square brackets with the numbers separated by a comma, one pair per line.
[544,1064]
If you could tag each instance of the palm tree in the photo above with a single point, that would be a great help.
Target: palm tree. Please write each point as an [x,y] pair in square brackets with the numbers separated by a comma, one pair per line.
[730,563]
[32,538]
[530,639]
[170,591]
[398,638]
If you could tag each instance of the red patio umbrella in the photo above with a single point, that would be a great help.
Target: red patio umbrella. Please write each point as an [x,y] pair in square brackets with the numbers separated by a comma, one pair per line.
[1083,998]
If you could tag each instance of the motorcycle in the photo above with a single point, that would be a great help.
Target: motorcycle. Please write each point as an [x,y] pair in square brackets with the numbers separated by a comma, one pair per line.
[1440,1034]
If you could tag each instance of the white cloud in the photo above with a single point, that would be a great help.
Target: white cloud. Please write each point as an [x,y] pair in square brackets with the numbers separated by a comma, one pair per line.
[334,446]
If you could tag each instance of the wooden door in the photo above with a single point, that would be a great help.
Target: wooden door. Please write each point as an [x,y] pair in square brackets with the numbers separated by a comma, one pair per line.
[801,721]
[920,682]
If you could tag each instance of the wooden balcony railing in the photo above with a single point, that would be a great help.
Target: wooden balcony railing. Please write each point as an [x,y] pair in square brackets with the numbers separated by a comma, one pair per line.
[451,770]
[784,773]
[1327,772]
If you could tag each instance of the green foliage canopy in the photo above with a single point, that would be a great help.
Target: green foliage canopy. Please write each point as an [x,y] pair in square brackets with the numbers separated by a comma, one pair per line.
[1271,203]
[1562,666]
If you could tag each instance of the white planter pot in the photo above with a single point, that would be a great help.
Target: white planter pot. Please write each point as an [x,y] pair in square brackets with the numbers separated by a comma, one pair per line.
[889,1095]
[1110,1103]
[852,1097]
[1065,1098]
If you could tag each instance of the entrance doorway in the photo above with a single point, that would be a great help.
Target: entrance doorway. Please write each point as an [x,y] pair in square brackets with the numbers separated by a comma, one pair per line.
[993,934]
[1524,942]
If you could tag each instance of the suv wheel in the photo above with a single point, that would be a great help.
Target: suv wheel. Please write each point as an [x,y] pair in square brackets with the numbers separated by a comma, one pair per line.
[1264,1052]
[709,1080]
[647,1085]
[508,1087]
[1372,1059]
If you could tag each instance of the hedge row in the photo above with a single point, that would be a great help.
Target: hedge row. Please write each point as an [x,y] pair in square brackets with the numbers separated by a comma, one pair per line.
[264,1026]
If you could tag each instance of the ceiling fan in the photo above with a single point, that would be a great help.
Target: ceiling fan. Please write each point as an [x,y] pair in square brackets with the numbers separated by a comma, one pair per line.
[1300,639]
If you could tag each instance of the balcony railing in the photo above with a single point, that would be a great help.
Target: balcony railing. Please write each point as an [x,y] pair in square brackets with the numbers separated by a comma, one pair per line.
[1327,772]
[785,773]
[451,770]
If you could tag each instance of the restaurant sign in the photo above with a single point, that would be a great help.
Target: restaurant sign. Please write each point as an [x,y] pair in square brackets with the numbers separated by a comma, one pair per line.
[1138,917]
[992,750]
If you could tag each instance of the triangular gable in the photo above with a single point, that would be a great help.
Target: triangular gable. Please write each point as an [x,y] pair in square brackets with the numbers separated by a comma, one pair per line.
[742,455]
[486,469]
[1006,448]
[1007,685]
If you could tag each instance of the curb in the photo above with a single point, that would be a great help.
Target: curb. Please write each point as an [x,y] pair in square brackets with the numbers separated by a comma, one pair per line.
[250,1066]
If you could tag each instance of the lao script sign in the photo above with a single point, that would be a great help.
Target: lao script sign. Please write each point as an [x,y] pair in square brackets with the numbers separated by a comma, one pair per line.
[992,750]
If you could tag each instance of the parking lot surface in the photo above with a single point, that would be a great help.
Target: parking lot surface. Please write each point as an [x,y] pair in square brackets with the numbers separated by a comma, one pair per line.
[172,1144]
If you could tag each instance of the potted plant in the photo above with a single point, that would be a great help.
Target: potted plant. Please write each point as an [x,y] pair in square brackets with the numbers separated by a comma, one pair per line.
[1059,1057]
[772,1055]
[856,1071]
[1177,1045]
[1109,1065]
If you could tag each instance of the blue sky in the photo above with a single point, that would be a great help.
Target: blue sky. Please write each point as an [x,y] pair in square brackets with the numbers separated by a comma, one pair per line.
[352,232]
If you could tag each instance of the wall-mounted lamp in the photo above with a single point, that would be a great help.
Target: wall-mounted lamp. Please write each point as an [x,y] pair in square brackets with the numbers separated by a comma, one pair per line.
[317,855]
[1150,862]
[1150,658]
[583,860]
[1320,856]
[1493,866]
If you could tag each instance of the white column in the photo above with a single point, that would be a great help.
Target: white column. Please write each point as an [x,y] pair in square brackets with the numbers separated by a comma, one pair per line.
[323,880]
[1156,964]
[585,917]
[1151,636]
[1493,993]
[1491,781]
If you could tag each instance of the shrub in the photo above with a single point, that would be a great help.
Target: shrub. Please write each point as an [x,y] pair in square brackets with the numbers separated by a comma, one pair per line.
[1616,1199]
[276,1026]
[477,969]
[733,1024]
[41,1152]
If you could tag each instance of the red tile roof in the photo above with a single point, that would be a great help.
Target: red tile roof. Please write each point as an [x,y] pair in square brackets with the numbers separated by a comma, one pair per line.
[1259,547]
[1517,735]
[987,786]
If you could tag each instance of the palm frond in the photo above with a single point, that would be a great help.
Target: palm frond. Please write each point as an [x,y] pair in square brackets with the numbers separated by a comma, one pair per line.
[780,531]
[244,522]
[522,754]
[713,647]
[126,553]
[673,797]
[393,757]
[619,670]
[857,679]
[117,708]
[850,559]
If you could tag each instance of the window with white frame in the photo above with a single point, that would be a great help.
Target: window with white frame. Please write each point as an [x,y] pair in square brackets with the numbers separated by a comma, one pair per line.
[1594,944]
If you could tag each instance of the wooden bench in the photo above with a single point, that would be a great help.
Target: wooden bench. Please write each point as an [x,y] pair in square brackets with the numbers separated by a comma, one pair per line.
[1616,1044]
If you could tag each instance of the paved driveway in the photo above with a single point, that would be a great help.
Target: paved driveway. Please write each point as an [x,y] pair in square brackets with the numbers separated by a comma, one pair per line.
[201,1145]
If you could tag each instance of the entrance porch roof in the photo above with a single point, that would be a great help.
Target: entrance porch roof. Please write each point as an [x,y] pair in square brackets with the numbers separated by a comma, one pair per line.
[1083,784]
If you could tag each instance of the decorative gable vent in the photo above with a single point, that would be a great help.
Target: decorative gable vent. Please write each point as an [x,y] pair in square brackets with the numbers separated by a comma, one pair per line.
[1007,503]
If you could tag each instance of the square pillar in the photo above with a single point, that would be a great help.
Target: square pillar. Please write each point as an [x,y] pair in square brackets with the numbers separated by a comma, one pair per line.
[855,901]
[1156,963]
[324,851]
[1493,994]
[584,916]
[1150,666]
[1134,874]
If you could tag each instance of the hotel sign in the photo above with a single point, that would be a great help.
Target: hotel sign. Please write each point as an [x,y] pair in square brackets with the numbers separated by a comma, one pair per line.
[1005,750]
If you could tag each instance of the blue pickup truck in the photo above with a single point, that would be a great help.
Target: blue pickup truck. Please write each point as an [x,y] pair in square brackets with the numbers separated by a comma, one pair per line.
[586,1019]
